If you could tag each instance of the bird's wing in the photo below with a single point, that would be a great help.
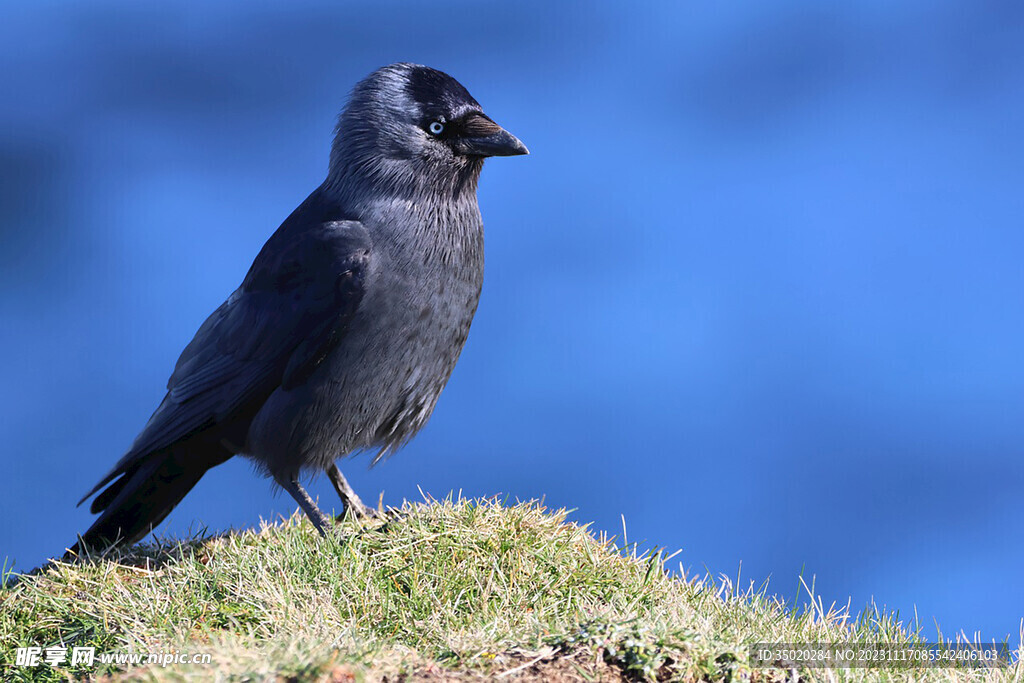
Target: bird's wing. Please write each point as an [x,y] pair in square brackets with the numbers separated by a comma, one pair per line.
[273,331]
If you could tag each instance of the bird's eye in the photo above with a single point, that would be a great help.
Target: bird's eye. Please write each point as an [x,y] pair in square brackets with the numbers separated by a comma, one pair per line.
[435,127]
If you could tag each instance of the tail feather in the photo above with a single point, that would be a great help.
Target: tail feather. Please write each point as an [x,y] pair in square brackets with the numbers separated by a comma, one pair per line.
[145,494]
[102,501]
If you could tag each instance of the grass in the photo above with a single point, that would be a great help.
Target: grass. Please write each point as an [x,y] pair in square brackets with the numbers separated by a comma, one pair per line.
[449,590]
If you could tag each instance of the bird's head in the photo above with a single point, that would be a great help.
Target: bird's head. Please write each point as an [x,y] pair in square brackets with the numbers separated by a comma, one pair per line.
[410,126]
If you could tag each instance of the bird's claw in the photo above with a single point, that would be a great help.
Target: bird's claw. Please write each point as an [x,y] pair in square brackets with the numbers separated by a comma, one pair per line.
[359,511]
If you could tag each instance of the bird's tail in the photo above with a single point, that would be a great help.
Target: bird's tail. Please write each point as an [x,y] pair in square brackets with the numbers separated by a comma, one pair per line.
[145,494]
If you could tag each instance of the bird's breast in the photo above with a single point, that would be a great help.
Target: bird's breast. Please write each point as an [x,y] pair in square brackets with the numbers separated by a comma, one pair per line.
[379,386]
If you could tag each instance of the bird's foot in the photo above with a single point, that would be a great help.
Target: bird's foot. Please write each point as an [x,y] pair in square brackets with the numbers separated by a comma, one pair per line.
[358,509]
[352,504]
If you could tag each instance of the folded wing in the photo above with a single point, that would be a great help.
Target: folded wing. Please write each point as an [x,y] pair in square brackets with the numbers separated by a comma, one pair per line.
[293,307]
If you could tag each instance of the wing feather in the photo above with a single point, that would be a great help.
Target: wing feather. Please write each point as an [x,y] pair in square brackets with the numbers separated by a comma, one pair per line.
[294,306]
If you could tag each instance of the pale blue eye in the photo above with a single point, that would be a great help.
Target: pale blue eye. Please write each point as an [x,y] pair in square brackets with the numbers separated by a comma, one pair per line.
[436,127]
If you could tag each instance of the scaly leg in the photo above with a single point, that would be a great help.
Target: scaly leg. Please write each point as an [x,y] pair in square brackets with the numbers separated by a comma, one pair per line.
[353,505]
[293,487]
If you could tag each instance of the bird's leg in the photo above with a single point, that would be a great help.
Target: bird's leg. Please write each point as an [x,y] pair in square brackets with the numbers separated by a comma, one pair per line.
[353,505]
[293,487]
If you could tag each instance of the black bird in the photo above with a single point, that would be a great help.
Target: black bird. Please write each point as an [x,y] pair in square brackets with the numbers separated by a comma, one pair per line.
[349,322]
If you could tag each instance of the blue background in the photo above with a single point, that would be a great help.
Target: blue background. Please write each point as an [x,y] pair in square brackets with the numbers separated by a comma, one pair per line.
[757,288]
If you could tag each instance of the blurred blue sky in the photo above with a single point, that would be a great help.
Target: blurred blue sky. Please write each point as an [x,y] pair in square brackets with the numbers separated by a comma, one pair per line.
[757,288]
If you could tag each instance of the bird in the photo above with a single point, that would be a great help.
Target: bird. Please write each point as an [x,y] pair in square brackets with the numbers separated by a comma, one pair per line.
[346,327]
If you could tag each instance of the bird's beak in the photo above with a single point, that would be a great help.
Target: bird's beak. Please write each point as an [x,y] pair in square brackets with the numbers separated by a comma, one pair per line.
[484,138]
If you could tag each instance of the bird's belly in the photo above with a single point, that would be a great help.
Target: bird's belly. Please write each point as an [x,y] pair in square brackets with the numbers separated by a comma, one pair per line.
[380,384]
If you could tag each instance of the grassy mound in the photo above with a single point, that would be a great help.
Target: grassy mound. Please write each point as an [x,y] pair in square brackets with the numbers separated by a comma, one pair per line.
[451,590]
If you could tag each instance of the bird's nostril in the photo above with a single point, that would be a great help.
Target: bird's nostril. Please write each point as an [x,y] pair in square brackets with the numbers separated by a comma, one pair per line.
[479,125]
